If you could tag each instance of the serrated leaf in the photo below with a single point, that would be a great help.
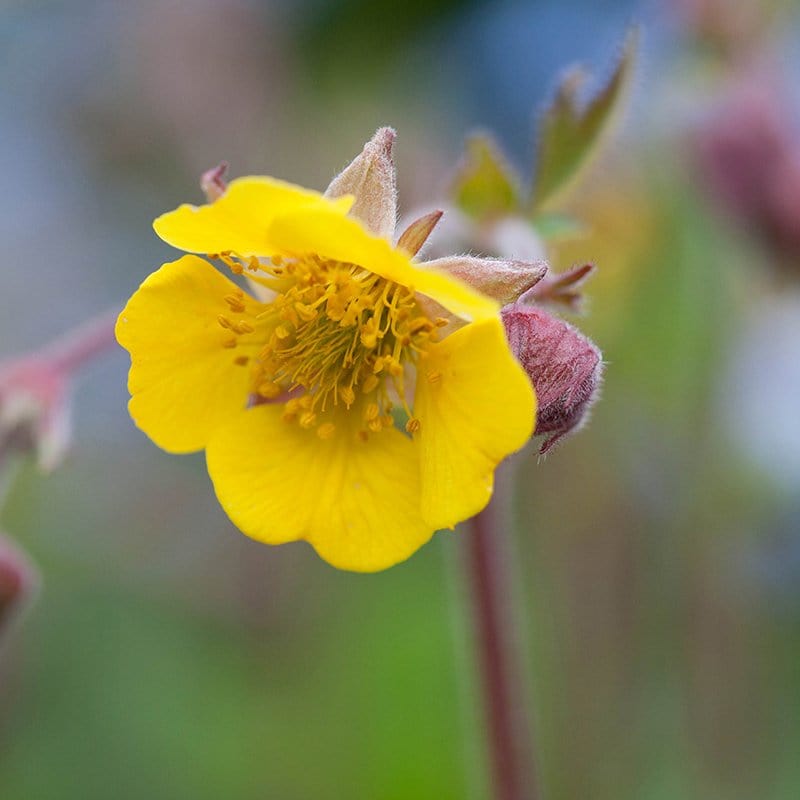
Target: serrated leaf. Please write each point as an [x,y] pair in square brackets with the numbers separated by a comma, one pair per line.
[571,131]
[485,186]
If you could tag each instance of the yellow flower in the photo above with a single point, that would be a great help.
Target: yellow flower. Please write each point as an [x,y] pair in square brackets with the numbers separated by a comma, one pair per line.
[299,395]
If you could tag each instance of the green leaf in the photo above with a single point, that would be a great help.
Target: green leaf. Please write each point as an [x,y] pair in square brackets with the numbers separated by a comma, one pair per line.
[571,131]
[485,186]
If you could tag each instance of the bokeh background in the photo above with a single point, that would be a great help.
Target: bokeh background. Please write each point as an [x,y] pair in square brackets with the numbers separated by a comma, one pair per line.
[167,656]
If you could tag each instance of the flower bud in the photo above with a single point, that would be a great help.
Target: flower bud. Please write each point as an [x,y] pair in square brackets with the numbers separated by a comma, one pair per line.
[504,280]
[18,581]
[370,178]
[35,410]
[563,365]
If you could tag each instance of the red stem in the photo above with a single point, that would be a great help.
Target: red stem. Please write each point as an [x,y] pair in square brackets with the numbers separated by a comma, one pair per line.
[504,695]
[74,348]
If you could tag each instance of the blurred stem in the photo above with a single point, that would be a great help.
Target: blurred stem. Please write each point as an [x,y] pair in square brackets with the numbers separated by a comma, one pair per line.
[75,348]
[498,643]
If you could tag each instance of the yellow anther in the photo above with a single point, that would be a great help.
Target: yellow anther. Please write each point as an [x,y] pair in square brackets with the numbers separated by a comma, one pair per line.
[269,389]
[413,425]
[305,312]
[308,419]
[419,324]
[370,383]
[225,322]
[282,332]
[348,395]
[378,365]
[277,260]
[440,322]
[229,342]
[235,303]
[243,327]
[434,376]
[326,430]
[233,265]
[375,425]
[241,361]
[369,333]
[395,368]
[372,411]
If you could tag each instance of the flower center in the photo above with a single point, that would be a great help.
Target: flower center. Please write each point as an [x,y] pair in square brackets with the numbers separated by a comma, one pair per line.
[338,338]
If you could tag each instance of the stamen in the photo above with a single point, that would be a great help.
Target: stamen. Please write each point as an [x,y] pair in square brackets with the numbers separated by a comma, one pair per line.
[413,425]
[335,333]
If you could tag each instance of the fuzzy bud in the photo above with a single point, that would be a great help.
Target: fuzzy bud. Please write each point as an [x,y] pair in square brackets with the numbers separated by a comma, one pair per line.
[563,365]
[504,280]
[370,178]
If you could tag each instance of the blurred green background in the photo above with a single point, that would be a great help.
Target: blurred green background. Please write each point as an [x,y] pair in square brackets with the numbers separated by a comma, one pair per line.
[167,656]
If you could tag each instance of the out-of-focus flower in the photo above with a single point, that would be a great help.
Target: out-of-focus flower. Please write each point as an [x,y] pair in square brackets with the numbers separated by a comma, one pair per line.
[299,401]
[749,153]
[18,581]
[35,410]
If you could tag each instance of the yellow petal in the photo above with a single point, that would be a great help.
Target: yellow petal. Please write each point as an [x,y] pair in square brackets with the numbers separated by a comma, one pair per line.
[317,230]
[183,382]
[476,406]
[239,220]
[356,502]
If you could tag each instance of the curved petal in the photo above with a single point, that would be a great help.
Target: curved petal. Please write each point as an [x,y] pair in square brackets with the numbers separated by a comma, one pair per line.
[356,502]
[317,230]
[476,406]
[183,382]
[239,220]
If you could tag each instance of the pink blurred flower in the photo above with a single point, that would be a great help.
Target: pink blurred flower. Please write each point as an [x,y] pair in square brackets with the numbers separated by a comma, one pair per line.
[749,154]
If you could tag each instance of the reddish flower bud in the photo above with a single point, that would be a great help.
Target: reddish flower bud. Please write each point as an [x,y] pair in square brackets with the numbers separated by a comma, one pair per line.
[35,409]
[563,365]
[18,581]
